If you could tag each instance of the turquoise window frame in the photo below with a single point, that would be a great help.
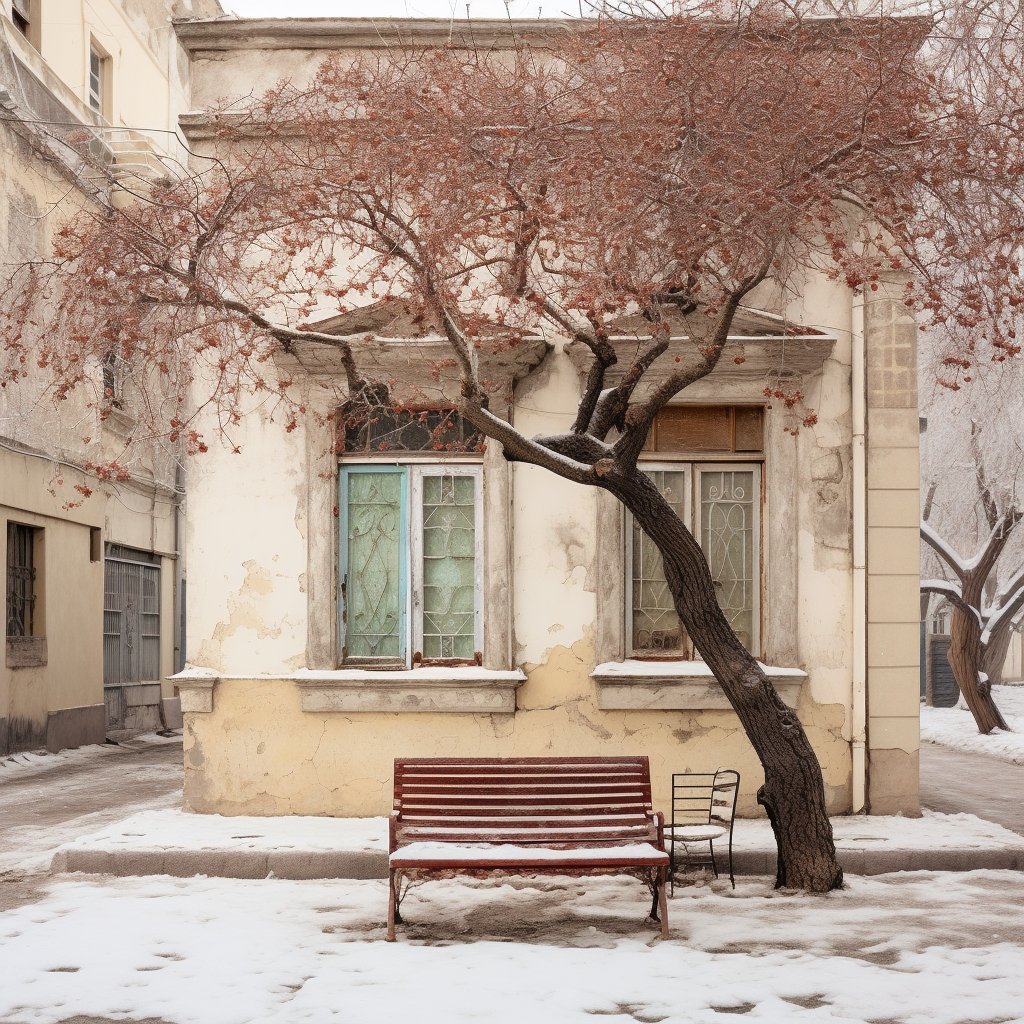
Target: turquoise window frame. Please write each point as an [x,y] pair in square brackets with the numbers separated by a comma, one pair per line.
[344,474]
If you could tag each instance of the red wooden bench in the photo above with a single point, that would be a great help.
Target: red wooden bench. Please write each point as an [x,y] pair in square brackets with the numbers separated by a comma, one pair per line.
[483,816]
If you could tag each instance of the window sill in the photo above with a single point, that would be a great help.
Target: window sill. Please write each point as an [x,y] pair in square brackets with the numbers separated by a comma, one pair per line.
[26,652]
[677,686]
[459,690]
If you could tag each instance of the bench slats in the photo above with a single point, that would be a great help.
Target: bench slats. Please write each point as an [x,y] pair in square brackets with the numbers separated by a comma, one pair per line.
[538,805]
[530,805]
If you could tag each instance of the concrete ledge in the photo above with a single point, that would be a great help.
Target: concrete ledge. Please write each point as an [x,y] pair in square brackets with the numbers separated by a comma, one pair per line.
[26,651]
[677,686]
[76,727]
[882,862]
[174,843]
[463,689]
[310,864]
[172,712]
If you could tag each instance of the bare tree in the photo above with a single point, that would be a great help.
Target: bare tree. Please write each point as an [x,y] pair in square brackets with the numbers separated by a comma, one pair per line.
[973,460]
[662,168]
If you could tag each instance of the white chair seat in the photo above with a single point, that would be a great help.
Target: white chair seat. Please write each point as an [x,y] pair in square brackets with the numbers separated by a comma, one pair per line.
[696,833]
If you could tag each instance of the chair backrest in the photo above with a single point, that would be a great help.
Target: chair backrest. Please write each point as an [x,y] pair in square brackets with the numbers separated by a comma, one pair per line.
[704,798]
[550,801]
[723,796]
[691,798]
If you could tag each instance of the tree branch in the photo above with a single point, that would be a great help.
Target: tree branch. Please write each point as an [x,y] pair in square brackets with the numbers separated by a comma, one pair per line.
[951,592]
[943,550]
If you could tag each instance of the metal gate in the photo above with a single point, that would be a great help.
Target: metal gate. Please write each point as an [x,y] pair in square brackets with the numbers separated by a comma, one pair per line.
[131,623]
[945,692]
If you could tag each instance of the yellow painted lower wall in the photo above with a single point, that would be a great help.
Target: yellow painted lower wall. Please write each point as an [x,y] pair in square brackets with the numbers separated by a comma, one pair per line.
[258,753]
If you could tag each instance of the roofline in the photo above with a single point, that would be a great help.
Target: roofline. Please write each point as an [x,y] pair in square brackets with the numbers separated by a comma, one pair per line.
[217,34]
[200,35]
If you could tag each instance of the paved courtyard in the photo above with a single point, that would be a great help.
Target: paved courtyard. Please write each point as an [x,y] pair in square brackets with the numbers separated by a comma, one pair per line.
[914,948]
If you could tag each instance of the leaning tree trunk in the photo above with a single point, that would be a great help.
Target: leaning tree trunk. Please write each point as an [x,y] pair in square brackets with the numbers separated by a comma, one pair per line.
[993,657]
[964,658]
[793,793]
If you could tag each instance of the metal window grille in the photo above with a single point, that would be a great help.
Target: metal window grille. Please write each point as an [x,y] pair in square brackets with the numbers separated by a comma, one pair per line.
[655,626]
[411,563]
[131,617]
[722,507]
[21,580]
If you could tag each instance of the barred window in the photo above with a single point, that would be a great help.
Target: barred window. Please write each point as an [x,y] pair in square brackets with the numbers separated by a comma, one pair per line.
[720,503]
[411,558]
[21,580]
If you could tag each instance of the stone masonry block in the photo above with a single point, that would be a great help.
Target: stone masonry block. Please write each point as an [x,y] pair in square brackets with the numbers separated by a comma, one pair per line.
[895,551]
[894,692]
[892,468]
[892,644]
[893,598]
[894,428]
[894,508]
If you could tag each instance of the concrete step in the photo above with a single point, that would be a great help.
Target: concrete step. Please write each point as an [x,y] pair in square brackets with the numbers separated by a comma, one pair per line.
[170,842]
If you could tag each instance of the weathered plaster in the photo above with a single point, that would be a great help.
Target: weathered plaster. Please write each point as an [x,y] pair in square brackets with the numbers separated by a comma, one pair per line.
[240,760]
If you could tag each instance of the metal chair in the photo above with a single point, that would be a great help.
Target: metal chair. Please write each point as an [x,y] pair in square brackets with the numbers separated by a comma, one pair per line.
[703,809]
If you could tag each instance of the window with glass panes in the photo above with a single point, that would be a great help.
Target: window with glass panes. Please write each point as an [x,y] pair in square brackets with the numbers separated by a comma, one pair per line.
[706,461]
[410,546]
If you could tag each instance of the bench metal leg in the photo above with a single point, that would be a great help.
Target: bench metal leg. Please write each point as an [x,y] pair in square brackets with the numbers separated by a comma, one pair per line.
[663,900]
[659,898]
[392,906]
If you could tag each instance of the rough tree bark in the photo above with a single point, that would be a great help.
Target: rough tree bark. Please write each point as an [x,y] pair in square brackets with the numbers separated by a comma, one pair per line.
[965,659]
[793,793]
[967,649]
[994,656]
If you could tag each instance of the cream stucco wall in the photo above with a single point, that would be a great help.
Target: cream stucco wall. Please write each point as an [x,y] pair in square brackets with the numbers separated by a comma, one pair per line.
[263,581]
[69,594]
[256,751]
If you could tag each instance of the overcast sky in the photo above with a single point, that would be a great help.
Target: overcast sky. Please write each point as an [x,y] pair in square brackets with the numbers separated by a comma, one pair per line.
[399,8]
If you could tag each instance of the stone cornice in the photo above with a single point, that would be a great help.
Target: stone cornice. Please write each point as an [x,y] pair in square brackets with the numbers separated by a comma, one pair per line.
[220,34]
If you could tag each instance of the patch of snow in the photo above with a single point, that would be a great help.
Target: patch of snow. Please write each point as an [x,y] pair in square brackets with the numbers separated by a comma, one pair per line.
[922,948]
[34,762]
[416,675]
[173,829]
[632,668]
[932,831]
[484,852]
[955,727]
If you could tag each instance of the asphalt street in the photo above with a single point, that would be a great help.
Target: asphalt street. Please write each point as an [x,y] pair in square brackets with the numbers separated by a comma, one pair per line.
[953,782]
[46,804]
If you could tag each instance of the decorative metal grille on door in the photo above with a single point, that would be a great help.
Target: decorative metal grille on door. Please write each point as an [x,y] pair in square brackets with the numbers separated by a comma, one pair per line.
[131,621]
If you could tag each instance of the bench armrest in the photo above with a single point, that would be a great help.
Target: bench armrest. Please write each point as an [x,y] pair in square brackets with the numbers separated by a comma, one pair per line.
[658,817]
[392,830]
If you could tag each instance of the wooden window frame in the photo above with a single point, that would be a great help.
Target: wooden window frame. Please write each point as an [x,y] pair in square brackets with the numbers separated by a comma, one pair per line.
[413,471]
[98,97]
[694,463]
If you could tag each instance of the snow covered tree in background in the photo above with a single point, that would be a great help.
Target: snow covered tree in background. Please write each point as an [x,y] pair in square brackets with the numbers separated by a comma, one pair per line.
[971,464]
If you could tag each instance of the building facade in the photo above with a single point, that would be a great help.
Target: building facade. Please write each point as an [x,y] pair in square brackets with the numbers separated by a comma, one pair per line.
[89,94]
[357,598]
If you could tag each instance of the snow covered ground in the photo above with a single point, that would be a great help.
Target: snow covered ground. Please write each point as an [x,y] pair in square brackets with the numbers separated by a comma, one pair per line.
[29,763]
[170,830]
[954,727]
[918,948]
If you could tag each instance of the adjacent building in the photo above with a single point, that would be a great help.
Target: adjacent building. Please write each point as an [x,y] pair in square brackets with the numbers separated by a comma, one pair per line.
[90,92]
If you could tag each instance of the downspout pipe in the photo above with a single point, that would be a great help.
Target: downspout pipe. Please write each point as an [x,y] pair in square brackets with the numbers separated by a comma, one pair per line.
[860,603]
